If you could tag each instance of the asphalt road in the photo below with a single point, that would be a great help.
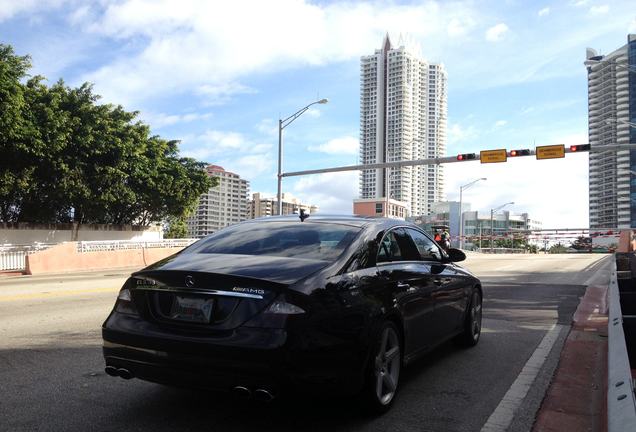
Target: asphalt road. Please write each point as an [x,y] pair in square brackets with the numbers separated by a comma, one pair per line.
[52,379]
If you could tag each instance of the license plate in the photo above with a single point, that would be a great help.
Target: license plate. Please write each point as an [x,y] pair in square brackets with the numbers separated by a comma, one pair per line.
[192,309]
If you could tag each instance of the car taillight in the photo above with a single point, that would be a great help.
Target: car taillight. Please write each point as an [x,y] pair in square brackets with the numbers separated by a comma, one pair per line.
[124,303]
[283,308]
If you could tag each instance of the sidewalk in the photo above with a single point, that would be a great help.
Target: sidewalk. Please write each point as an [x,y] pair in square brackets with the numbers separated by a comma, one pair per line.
[576,399]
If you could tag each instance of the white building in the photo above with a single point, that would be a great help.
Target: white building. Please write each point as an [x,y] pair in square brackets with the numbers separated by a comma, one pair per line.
[403,115]
[260,206]
[222,205]
[611,91]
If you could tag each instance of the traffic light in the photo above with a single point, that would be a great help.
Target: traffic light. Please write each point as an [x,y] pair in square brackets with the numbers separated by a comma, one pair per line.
[466,156]
[522,152]
[580,147]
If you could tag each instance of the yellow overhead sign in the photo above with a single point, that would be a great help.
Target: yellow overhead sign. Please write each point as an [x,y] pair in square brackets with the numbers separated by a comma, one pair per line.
[493,156]
[551,151]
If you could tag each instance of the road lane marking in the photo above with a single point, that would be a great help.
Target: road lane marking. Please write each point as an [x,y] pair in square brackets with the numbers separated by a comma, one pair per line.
[503,415]
[49,294]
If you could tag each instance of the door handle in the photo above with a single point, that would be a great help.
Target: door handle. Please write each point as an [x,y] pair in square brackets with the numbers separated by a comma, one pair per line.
[440,281]
[404,286]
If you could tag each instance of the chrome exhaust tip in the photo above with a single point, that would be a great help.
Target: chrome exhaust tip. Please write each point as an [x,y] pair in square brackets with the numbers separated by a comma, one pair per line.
[125,373]
[263,395]
[242,392]
[111,370]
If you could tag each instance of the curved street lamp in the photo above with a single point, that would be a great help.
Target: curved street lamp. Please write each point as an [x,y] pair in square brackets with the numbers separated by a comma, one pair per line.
[461,212]
[282,124]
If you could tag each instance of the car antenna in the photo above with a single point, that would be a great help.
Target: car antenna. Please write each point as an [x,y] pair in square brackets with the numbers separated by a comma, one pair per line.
[303,215]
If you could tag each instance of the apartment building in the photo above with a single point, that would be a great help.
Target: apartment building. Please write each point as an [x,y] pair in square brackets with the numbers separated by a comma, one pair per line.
[260,206]
[222,205]
[403,112]
[611,121]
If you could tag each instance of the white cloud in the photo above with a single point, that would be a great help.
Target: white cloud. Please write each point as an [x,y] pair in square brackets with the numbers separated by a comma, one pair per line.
[248,167]
[500,123]
[599,10]
[579,3]
[11,8]
[457,27]
[189,44]
[347,145]
[332,192]
[222,93]
[545,11]
[458,134]
[497,32]
[553,191]
[232,150]
[160,120]
[313,112]
[268,127]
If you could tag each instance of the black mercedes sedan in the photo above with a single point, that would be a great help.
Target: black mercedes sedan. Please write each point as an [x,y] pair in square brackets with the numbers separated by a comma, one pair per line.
[337,304]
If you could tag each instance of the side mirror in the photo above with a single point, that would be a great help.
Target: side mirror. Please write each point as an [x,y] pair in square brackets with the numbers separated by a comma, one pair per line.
[455,255]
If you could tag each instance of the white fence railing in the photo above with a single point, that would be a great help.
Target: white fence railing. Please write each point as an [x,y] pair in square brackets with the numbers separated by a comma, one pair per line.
[13,257]
[113,245]
[12,260]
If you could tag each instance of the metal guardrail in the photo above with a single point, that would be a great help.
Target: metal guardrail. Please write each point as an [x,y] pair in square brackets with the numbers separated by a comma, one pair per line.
[113,245]
[621,400]
[13,257]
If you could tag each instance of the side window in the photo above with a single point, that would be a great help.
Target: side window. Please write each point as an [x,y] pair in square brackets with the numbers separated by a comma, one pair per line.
[426,247]
[389,249]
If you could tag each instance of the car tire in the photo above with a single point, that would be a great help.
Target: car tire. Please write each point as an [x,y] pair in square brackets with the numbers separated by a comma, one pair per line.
[383,371]
[472,323]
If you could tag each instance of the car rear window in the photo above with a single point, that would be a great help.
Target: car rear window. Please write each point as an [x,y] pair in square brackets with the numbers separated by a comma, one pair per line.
[319,241]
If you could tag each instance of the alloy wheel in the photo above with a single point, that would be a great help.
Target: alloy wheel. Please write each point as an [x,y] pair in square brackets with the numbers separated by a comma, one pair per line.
[475,315]
[387,366]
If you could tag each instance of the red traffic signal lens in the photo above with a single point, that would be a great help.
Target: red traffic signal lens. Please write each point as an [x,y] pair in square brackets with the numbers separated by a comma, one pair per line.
[580,147]
[460,157]
[513,153]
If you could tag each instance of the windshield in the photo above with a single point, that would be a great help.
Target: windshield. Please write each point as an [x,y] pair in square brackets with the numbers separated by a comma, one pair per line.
[318,241]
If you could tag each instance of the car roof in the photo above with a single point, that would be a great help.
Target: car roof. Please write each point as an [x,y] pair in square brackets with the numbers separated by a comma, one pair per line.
[353,220]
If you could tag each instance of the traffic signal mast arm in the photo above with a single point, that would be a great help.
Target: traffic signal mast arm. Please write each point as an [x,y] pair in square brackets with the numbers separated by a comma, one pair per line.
[464,157]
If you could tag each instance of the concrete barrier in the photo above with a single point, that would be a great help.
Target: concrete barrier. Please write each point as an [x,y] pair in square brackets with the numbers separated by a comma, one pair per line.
[65,257]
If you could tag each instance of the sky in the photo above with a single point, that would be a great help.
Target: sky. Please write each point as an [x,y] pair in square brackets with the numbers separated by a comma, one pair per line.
[218,75]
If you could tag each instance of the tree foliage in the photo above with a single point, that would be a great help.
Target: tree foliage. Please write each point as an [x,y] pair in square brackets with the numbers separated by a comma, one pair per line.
[67,158]
[582,243]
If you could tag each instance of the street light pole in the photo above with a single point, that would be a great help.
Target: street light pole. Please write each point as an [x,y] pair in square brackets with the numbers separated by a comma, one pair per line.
[282,124]
[461,213]
[492,229]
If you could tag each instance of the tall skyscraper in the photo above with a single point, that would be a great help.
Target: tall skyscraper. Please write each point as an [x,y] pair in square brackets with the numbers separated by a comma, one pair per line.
[223,205]
[611,109]
[403,115]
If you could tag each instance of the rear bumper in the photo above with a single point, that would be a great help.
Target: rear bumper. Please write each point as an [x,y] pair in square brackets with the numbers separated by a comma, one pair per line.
[274,359]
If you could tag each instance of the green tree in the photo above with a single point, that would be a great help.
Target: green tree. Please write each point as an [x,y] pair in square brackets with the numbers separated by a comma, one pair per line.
[177,228]
[557,249]
[71,159]
[582,243]
[15,172]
